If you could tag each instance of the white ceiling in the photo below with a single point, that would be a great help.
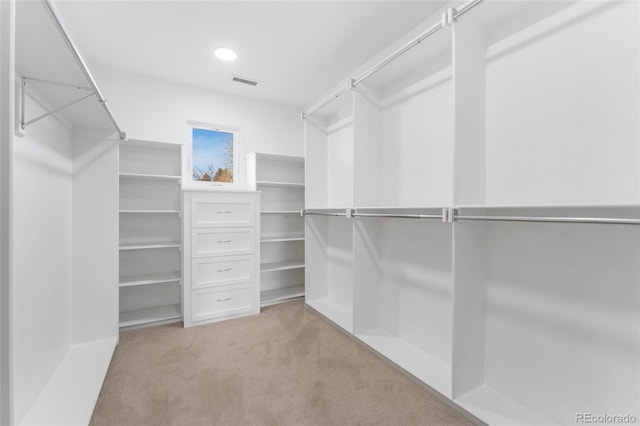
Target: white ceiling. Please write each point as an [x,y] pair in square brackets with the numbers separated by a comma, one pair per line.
[296,49]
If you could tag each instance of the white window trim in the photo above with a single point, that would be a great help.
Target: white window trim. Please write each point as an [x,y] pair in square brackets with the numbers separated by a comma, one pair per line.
[187,174]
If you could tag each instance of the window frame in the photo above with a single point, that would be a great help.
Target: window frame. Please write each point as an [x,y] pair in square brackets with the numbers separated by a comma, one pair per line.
[188,166]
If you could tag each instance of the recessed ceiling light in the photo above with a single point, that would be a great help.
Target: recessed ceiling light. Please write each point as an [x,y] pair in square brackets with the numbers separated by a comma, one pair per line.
[225,54]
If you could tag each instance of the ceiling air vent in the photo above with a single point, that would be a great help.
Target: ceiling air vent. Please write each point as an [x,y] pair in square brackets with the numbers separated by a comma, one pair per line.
[244,80]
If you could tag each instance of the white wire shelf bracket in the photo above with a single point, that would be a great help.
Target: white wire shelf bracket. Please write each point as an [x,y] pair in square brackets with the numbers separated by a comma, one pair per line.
[23,89]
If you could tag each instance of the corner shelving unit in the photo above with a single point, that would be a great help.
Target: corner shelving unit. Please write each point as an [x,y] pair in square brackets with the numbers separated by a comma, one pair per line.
[280,179]
[150,233]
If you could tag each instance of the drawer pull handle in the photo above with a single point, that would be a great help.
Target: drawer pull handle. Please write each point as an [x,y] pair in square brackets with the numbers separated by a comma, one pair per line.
[223,241]
[224,270]
[224,212]
[224,300]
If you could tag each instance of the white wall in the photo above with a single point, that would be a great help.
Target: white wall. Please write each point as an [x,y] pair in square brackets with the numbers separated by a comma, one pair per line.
[95,235]
[41,299]
[7,78]
[153,109]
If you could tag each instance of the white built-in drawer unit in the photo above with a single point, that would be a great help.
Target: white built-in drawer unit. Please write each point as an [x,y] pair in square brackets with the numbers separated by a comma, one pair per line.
[221,252]
[236,210]
[222,270]
[214,303]
[222,241]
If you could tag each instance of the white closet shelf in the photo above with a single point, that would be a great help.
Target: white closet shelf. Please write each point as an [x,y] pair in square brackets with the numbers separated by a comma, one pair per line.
[291,185]
[280,212]
[138,246]
[334,312]
[281,266]
[71,392]
[150,315]
[154,145]
[149,176]
[132,211]
[421,364]
[268,297]
[277,239]
[278,158]
[495,408]
[146,279]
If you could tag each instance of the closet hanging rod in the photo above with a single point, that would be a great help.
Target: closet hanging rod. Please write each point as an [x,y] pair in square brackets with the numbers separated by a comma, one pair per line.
[399,215]
[48,5]
[454,13]
[316,107]
[465,8]
[424,35]
[308,213]
[592,220]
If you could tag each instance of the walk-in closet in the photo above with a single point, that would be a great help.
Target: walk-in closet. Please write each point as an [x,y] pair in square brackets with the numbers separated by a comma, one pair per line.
[308,212]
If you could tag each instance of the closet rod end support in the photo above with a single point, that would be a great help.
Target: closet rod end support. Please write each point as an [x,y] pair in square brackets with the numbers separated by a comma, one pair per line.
[451,16]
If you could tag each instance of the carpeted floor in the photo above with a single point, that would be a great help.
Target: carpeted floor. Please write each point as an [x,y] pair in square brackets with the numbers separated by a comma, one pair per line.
[286,366]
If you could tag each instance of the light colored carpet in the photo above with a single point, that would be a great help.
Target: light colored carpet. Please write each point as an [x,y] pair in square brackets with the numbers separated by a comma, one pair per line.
[286,366]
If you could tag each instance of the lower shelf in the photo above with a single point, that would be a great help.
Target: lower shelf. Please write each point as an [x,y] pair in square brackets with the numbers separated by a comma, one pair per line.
[495,408]
[70,394]
[281,266]
[150,315]
[334,312]
[269,297]
[147,279]
[421,364]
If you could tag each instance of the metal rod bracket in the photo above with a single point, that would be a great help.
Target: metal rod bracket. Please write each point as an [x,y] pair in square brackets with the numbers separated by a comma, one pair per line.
[447,215]
[451,16]
[23,109]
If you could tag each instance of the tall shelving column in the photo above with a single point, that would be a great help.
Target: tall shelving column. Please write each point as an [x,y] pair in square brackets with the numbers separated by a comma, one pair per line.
[150,233]
[280,179]
[329,148]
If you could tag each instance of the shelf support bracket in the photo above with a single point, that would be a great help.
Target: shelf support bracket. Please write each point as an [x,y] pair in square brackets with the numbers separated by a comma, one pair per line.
[23,89]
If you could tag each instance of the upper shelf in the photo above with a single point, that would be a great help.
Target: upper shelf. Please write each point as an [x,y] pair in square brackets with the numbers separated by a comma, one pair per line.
[280,184]
[148,176]
[42,53]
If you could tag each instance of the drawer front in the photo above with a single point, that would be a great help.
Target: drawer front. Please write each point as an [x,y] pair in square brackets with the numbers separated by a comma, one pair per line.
[222,210]
[220,242]
[223,270]
[214,303]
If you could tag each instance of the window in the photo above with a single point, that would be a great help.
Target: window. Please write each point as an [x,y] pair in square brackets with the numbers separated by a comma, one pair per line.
[212,155]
